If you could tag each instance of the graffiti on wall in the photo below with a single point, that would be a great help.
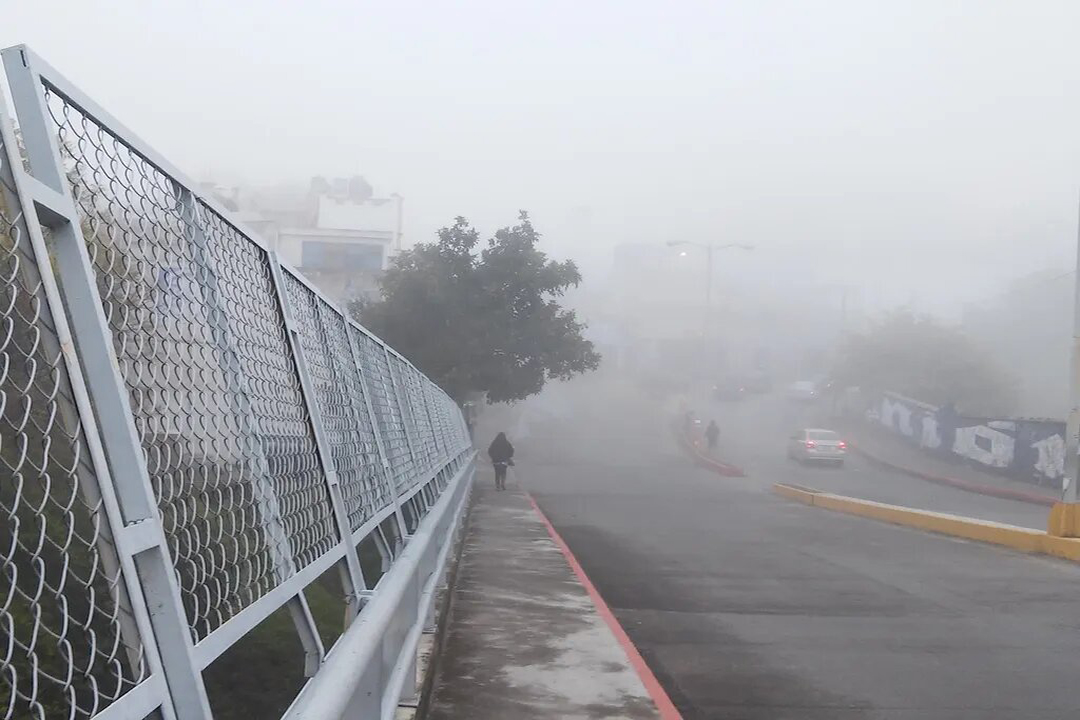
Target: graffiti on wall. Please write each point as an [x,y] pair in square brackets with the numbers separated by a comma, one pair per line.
[991,444]
[1031,450]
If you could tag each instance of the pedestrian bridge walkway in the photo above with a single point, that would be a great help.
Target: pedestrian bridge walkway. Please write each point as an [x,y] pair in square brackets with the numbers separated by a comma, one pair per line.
[524,638]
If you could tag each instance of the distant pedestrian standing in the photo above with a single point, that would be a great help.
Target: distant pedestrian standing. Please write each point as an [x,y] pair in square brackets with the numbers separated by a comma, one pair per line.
[501,453]
[712,434]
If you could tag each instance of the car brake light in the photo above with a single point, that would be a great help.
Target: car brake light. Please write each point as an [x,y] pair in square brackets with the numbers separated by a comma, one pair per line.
[810,444]
[842,445]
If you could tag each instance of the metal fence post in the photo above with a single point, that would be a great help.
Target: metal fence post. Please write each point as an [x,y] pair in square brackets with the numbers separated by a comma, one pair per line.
[311,400]
[74,406]
[435,429]
[388,471]
[142,537]
[269,507]
[397,399]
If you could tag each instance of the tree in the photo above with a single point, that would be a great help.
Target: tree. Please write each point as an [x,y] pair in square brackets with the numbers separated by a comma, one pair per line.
[924,359]
[485,322]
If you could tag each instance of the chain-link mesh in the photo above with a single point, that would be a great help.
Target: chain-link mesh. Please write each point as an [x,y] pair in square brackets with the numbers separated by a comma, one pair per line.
[384,401]
[449,413]
[453,419]
[446,423]
[335,372]
[203,350]
[433,400]
[68,644]
[199,334]
[423,437]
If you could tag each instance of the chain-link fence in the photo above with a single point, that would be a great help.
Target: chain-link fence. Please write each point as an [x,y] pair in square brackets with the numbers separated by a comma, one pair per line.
[70,647]
[190,434]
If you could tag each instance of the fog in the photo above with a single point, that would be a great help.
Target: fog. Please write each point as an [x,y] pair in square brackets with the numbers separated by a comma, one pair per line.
[919,153]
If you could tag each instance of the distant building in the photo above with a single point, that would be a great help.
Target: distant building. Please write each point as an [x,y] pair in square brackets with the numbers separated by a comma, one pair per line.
[351,238]
[338,234]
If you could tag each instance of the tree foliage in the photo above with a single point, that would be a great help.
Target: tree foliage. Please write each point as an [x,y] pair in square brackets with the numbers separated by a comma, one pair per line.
[924,359]
[486,321]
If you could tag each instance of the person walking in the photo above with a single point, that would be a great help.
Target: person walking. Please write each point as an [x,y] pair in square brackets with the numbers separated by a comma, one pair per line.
[712,434]
[501,453]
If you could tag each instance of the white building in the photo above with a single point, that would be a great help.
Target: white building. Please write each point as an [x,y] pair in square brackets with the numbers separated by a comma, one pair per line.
[348,246]
[338,234]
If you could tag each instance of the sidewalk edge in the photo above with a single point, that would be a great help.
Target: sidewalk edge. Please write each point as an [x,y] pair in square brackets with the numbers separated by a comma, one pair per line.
[656,691]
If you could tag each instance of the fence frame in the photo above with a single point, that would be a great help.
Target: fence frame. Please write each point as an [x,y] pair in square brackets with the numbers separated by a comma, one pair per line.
[47,201]
[174,661]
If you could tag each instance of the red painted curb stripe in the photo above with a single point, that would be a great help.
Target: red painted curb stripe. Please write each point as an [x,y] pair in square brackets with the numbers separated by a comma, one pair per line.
[989,490]
[652,685]
[716,465]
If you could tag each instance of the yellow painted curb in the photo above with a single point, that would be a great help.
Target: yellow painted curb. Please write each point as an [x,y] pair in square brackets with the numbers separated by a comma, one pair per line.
[1018,538]
[1064,520]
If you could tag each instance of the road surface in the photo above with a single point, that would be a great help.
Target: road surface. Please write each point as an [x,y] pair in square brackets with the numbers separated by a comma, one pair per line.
[753,434]
[746,605]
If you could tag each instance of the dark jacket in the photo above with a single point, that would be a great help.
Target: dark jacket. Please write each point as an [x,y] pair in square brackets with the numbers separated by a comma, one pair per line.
[500,450]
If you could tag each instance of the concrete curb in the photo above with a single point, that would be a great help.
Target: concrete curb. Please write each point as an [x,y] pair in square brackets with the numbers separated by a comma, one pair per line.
[1004,493]
[1018,538]
[704,460]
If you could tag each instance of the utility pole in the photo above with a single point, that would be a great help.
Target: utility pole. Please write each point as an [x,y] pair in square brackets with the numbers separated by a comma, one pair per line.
[1065,515]
[708,279]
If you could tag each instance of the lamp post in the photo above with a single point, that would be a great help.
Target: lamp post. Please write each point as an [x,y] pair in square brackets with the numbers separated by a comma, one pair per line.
[709,248]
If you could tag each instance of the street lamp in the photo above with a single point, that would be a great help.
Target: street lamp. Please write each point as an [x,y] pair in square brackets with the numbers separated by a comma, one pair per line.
[709,249]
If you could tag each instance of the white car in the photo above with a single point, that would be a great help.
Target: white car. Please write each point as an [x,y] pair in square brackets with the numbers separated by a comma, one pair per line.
[816,445]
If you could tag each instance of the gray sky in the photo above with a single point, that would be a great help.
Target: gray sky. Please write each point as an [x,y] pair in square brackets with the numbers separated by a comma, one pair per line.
[925,150]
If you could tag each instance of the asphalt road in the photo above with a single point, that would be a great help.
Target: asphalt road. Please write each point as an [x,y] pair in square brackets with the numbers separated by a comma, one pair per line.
[749,606]
[753,433]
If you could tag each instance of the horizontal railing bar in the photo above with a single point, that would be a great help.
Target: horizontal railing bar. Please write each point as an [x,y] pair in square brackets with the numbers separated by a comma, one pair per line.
[329,694]
[427,477]
[138,702]
[427,598]
[371,523]
[221,639]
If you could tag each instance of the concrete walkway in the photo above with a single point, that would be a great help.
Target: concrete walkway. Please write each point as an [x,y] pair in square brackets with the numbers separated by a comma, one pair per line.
[524,639]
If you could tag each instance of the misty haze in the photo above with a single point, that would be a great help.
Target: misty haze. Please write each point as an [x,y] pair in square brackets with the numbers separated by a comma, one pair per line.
[539,359]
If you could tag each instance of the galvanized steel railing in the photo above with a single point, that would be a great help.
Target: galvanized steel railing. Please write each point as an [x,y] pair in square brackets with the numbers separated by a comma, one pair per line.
[190,435]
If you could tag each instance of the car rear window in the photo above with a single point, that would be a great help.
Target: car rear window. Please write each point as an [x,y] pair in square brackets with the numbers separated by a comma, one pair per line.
[822,435]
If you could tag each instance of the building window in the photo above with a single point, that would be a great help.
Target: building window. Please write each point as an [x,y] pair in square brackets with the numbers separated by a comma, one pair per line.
[341,257]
